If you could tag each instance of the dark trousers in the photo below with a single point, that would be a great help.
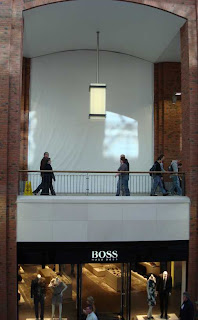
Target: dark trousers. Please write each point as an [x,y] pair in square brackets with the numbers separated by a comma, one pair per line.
[164,302]
[157,181]
[47,185]
[123,183]
[36,307]
[39,187]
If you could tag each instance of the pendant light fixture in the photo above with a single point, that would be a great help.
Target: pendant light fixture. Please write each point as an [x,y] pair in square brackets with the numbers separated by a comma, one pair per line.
[97,93]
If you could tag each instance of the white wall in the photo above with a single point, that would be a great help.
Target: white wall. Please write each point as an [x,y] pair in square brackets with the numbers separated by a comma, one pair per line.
[59,109]
[73,219]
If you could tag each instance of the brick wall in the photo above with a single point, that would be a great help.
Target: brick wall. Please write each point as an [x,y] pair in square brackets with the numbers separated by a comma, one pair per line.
[167,116]
[10,95]
[24,114]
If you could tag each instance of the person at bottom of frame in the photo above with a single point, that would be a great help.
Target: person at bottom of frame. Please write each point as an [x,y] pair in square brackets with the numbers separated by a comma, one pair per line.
[47,180]
[123,178]
[90,313]
[57,287]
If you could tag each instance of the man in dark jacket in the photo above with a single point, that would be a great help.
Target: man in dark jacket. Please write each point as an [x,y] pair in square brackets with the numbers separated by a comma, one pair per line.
[187,309]
[157,179]
[42,167]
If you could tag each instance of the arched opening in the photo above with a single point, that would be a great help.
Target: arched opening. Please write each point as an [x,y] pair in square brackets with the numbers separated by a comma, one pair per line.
[127,61]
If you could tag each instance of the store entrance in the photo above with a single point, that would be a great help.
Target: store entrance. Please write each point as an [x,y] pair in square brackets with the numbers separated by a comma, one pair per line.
[107,288]
[117,279]
[114,290]
[104,286]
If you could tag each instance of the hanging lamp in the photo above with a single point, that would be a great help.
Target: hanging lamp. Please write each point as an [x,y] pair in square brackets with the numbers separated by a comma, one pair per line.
[97,93]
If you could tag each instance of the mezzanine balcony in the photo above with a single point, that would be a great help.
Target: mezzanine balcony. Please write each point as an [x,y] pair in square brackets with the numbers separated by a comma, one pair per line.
[86,209]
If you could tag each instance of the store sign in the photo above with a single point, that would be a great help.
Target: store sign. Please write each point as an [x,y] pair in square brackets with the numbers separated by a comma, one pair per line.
[104,255]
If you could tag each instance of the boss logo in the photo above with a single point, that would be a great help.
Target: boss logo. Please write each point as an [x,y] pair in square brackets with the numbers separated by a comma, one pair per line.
[104,255]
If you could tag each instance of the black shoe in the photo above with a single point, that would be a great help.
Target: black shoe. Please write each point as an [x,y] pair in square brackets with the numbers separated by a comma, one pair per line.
[161,315]
[166,316]
[117,195]
[153,195]
[166,194]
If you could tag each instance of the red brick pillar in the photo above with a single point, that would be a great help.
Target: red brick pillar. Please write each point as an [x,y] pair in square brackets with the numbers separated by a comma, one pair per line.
[10,75]
[189,77]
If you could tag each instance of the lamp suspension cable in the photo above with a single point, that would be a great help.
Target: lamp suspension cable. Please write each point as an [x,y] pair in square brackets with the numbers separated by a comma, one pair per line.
[97,67]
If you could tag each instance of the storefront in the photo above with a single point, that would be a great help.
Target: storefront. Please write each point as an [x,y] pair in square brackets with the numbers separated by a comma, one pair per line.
[114,273]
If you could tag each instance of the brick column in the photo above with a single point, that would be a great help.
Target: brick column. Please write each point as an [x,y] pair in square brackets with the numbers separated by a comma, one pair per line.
[10,87]
[189,77]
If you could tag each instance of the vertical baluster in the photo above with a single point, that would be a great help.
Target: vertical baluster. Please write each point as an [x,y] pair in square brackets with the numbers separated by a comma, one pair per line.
[91,183]
[87,184]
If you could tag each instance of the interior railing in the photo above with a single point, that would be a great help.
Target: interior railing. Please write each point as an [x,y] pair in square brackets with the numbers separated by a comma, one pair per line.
[93,182]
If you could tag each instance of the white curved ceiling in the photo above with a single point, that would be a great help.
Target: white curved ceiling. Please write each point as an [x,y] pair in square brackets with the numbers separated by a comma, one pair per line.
[129,28]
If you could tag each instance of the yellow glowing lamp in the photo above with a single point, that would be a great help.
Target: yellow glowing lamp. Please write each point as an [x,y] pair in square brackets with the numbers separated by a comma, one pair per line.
[97,101]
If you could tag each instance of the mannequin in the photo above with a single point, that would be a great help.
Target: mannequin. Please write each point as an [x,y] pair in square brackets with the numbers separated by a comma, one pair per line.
[57,287]
[38,291]
[151,293]
[164,287]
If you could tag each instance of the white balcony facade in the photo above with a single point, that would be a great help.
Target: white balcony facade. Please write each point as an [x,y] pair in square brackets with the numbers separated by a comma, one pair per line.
[102,218]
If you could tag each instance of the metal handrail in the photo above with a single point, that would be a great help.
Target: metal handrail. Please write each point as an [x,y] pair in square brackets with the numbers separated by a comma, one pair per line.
[94,182]
[87,171]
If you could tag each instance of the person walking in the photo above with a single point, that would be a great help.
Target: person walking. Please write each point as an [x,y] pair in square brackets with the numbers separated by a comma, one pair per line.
[123,178]
[175,178]
[127,174]
[42,167]
[157,181]
[162,156]
[47,179]
[187,309]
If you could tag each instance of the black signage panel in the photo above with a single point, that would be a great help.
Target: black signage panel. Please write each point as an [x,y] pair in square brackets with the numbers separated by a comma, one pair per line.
[103,252]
